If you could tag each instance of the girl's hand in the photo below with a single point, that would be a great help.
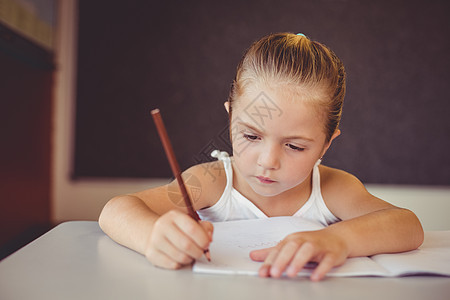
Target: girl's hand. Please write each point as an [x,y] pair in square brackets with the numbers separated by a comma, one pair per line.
[297,249]
[177,239]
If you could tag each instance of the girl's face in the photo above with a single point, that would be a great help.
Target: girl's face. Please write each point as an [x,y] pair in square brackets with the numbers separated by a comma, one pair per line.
[277,138]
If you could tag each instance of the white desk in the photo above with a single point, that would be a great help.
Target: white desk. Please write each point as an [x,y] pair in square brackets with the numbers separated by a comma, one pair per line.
[76,260]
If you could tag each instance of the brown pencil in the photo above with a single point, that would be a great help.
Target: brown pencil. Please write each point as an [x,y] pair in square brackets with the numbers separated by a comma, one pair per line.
[175,167]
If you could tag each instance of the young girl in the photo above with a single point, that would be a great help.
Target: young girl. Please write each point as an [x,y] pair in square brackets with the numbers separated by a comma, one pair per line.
[285,106]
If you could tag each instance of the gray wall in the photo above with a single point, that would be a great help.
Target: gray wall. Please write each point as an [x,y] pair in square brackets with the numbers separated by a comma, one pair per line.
[181,57]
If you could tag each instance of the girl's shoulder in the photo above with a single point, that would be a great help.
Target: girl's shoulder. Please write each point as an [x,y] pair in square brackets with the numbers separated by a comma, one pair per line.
[209,180]
[345,195]
[332,178]
[336,183]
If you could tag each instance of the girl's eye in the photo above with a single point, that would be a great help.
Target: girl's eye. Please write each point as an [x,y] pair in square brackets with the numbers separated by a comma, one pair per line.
[250,137]
[295,147]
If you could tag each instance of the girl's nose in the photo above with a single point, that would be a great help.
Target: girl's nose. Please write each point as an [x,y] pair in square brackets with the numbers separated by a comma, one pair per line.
[269,158]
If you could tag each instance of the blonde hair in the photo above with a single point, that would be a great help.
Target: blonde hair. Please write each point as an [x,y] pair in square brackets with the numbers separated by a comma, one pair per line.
[297,62]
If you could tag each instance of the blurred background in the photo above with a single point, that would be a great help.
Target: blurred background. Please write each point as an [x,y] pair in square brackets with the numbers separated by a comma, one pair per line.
[78,79]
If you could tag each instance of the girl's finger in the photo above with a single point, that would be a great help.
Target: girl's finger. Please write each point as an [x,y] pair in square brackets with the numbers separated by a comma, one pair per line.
[183,243]
[301,258]
[325,265]
[260,254]
[192,229]
[284,257]
[174,253]
[160,259]
[209,228]
[265,269]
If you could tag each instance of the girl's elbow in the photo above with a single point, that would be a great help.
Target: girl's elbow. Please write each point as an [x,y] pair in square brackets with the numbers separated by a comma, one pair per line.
[420,236]
[418,232]
[107,212]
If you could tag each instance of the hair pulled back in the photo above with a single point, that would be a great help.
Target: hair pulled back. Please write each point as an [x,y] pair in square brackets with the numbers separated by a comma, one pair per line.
[295,62]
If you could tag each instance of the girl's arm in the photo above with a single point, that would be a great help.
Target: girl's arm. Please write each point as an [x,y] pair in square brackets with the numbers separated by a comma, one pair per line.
[369,226]
[155,223]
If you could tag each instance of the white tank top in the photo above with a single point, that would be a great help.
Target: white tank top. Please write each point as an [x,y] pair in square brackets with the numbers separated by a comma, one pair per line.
[232,205]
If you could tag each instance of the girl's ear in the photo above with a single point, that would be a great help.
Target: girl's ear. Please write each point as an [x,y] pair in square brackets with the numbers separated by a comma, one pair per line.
[335,135]
[227,106]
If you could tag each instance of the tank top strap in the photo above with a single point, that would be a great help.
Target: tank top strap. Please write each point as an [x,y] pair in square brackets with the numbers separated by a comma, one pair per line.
[316,179]
[315,208]
[226,159]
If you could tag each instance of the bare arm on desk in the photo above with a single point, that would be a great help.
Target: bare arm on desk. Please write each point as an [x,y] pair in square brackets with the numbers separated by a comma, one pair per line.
[150,223]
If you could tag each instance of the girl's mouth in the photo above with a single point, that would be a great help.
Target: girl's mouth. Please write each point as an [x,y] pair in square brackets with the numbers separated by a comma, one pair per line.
[265,180]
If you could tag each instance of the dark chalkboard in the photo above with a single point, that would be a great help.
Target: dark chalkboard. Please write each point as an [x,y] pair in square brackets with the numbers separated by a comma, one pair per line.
[180,56]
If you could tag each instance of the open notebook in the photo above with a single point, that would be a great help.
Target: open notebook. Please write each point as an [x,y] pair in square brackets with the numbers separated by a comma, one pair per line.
[234,240]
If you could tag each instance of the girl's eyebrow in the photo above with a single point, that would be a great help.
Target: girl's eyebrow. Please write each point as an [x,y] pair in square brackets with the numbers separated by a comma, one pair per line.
[294,137]
[299,138]
[250,127]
